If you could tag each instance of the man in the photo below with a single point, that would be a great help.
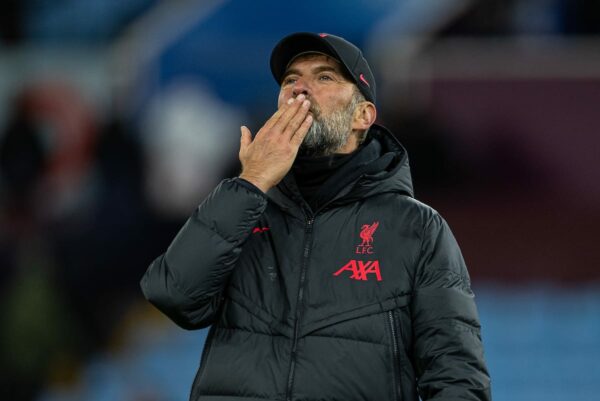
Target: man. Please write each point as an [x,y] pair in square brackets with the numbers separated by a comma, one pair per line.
[322,277]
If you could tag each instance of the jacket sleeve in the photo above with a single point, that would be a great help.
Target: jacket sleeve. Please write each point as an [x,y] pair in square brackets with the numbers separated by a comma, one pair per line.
[187,282]
[448,349]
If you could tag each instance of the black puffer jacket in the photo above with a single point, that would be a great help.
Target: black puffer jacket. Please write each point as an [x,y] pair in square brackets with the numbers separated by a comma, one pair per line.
[366,298]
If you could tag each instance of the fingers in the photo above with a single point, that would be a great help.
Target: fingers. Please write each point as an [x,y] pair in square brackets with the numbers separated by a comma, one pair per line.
[277,115]
[246,137]
[296,120]
[298,109]
[274,118]
[301,132]
[283,123]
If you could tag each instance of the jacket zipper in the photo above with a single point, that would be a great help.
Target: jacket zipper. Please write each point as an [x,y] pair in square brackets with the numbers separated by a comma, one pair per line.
[305,255]
[396,354]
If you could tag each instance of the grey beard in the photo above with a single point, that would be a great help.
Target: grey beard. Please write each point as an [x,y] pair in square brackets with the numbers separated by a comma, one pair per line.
[328,134]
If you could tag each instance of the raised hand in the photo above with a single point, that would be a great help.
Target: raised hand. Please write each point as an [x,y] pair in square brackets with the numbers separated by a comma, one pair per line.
[267,159]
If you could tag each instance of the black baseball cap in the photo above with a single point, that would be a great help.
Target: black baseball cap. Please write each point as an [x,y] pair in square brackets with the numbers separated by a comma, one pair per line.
[339,48]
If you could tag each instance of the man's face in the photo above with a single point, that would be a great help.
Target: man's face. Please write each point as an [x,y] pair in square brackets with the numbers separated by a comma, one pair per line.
[321,80]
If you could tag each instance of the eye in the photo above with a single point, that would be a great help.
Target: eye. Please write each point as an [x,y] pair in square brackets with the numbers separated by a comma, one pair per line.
[325,77]
[288,80]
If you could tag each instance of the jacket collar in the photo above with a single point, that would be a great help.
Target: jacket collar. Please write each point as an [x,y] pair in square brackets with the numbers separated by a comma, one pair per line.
[388,172]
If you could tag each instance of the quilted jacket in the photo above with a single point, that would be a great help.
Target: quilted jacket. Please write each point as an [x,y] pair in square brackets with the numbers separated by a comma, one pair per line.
[367,297]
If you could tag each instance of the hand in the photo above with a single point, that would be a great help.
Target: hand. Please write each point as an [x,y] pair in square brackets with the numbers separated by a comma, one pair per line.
[267,159]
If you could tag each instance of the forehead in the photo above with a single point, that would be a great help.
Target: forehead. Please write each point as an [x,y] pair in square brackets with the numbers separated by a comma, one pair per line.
[314,59]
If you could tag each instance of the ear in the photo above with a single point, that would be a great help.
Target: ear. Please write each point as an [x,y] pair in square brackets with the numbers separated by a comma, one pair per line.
[364,116]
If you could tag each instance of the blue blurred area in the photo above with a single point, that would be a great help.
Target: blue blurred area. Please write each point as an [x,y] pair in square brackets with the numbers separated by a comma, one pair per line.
[542,343]
[60,21]
[231,49]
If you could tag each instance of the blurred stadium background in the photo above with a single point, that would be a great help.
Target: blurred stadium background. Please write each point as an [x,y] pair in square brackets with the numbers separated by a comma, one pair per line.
[118,116]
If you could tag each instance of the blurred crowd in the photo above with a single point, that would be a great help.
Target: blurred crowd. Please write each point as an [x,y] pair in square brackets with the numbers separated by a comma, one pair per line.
[95,183]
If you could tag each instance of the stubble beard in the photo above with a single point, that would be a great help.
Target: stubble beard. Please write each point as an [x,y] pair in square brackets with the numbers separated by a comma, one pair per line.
[328,134]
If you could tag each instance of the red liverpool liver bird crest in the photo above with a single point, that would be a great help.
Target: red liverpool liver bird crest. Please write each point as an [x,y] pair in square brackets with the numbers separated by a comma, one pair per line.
[366,234]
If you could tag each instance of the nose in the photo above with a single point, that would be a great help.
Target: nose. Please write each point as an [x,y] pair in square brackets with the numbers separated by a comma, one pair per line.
[300,87]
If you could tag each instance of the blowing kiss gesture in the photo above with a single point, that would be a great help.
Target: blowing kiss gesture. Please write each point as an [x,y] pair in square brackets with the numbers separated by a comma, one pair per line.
[267,159]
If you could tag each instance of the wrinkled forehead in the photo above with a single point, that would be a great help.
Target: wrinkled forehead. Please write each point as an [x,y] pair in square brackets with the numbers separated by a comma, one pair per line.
[316,56]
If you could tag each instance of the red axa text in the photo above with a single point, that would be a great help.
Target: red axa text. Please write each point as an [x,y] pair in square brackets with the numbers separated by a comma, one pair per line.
[361,270]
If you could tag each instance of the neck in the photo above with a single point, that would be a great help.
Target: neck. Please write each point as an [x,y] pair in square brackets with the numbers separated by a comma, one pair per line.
[351,144]
[311,172]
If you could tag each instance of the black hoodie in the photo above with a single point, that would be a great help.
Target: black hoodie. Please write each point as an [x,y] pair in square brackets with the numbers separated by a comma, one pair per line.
[364,296]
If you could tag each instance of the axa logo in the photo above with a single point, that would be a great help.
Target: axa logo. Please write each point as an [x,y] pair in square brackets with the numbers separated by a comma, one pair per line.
[366,234]
[361,270]
[260,230]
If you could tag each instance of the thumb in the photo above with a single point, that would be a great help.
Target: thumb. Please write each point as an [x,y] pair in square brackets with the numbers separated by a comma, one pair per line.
[246,137]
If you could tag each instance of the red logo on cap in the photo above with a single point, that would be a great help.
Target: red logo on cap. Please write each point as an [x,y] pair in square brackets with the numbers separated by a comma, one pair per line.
[362,78]
[323,35]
